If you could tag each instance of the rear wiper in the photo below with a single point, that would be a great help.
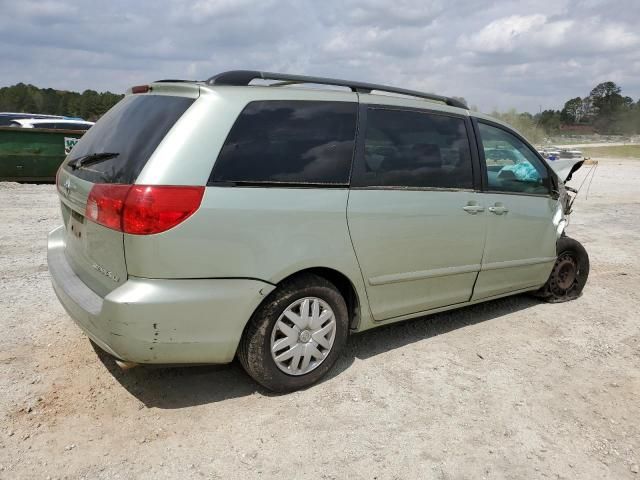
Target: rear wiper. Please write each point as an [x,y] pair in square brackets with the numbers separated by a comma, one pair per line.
[90,159]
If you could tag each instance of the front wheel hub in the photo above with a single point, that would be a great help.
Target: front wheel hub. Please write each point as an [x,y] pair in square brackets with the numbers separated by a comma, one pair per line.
[565,272]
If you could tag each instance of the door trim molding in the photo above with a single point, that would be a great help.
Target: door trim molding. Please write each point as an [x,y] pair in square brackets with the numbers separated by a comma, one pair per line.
[422,274]
[453,306]
[517,263]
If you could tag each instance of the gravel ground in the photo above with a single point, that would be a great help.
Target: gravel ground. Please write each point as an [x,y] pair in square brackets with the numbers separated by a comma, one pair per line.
[513,388]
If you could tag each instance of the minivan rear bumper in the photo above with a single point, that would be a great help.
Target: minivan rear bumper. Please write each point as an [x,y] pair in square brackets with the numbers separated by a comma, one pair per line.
[158,321]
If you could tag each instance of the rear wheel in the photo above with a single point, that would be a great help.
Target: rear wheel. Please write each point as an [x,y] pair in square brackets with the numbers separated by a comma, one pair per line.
[296,335]
[569,274]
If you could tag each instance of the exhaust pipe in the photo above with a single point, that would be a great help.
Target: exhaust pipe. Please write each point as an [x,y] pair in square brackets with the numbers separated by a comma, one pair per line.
[124,365]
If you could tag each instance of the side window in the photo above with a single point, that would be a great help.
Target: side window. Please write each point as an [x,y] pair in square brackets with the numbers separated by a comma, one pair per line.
[72,126]
[511,165]
[304,142]
[415,149]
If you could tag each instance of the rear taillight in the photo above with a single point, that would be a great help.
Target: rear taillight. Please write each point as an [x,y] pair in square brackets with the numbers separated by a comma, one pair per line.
[151,209]
[106,204]
[142,209]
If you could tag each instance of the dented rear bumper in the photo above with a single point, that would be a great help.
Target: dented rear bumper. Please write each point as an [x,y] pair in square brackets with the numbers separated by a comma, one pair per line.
[158,321]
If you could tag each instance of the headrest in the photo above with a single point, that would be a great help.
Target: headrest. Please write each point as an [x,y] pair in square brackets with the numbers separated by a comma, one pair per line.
[427,154]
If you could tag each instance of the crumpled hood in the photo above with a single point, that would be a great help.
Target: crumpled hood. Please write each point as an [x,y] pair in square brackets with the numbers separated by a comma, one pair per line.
[565,167]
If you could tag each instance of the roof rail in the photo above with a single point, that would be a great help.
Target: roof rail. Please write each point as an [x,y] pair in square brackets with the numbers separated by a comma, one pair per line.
[244,77]
[174,80]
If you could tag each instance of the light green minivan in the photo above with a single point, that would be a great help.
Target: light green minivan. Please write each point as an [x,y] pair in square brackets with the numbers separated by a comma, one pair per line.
[215,219]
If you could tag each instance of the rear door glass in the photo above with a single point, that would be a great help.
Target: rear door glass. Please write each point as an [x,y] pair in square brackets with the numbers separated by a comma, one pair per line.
[289,142]
[415,149]
[133,129]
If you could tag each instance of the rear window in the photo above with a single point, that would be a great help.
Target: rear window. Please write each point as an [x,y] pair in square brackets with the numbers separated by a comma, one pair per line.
[289,142]
[133,128]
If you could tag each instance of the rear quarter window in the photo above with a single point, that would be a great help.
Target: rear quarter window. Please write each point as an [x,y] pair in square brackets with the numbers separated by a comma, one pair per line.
[289,142]
[133,128]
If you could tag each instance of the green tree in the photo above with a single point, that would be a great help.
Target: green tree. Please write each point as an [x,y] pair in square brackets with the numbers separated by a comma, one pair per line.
[549,121]
[572,111]
[606,99]
[31,99]
[523,122]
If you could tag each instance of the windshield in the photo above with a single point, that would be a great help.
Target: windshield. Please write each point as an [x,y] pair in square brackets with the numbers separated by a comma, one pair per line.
[133,129]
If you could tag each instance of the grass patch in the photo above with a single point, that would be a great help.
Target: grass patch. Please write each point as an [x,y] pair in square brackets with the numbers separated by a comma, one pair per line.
[626,151]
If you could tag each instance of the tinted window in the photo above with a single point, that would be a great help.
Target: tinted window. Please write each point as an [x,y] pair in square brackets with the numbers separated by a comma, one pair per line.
[6,118]
[511,165]
[45,125]
[415,149]
[289,142]
[133,128]
[72,126]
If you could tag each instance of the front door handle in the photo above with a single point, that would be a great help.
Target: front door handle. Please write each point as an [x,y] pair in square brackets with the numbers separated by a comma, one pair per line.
[498,209]
[473,208]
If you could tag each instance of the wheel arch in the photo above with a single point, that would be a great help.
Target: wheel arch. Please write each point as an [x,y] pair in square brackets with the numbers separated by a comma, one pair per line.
[344,285]
[341,281]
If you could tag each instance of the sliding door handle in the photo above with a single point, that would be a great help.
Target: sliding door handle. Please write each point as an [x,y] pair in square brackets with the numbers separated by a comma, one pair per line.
[473,209]
[498,209]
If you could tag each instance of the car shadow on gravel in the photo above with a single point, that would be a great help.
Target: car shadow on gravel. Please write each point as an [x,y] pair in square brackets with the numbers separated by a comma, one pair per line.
[180,387]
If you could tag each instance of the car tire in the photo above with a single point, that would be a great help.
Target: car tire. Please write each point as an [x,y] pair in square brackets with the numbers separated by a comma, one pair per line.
[290,343]
[569,274]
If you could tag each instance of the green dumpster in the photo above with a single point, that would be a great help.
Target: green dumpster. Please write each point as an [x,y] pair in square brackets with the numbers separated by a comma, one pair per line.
[34,154]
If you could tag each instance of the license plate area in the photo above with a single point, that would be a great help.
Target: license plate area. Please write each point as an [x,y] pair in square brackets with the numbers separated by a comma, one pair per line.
[75,229]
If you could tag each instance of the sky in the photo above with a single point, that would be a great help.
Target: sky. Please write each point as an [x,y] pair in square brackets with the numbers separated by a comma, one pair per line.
[523,54]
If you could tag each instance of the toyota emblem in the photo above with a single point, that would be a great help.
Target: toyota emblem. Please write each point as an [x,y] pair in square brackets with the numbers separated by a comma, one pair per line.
[67,187]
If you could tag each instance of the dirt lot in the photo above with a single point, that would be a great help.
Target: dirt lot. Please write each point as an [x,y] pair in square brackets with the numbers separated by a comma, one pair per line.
[509,389]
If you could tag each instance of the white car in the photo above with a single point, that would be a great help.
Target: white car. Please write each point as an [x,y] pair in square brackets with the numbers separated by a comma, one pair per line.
[57,124]
[575,154]
[7,117]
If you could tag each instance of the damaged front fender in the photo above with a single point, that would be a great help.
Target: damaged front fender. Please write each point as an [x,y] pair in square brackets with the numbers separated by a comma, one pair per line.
[564,170]
[566,167]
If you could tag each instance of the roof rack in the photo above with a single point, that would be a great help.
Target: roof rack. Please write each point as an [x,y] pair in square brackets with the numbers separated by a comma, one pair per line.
[244,77]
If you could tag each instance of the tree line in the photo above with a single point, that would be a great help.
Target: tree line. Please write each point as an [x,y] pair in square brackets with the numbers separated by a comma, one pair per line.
[605,111]
[89,104]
